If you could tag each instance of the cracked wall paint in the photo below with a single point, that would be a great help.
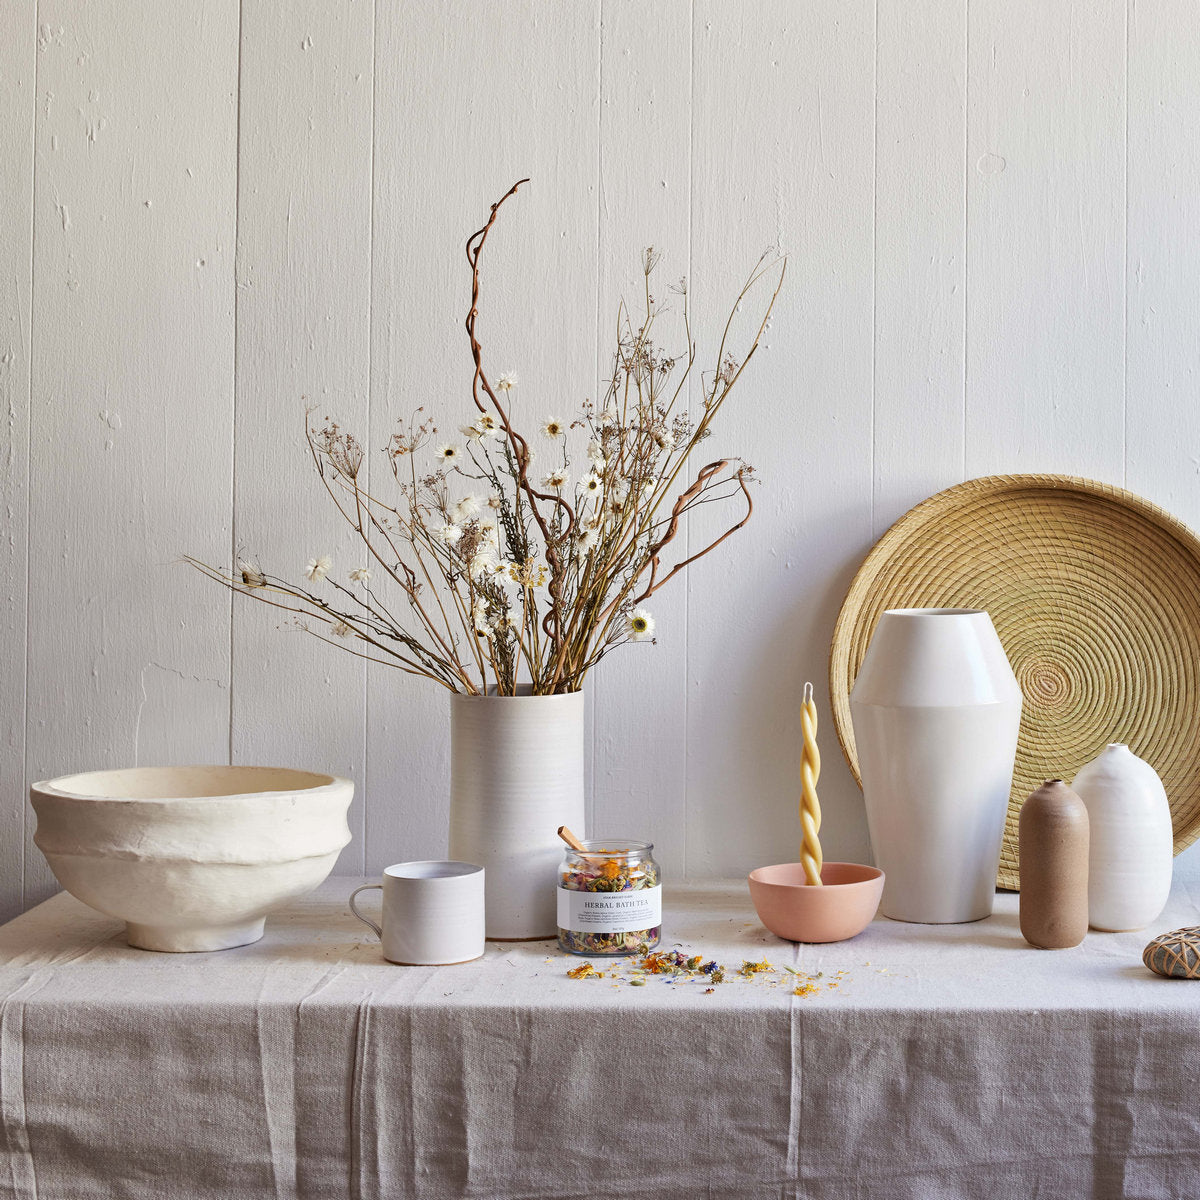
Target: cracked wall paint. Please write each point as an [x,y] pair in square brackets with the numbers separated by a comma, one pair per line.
[171,695]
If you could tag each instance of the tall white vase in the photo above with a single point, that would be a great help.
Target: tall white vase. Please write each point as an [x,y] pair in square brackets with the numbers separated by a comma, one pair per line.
[516,775]
[936,712]
[1132,847]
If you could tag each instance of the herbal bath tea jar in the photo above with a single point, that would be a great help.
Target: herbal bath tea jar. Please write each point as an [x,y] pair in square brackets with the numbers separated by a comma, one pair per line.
[609,899]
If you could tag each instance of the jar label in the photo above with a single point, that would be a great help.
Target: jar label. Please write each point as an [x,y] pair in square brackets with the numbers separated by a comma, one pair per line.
[610,912]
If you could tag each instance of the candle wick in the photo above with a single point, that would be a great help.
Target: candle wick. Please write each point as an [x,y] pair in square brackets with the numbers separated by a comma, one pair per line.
[808,693]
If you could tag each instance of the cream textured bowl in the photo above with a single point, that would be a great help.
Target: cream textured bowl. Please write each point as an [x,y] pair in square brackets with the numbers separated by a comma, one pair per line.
[191,858]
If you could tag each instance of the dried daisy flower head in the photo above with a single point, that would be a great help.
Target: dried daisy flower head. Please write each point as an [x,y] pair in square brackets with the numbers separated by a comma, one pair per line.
[483,575]
[641,626]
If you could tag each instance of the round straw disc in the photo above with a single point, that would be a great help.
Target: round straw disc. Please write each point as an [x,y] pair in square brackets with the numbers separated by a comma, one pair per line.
[1095,594]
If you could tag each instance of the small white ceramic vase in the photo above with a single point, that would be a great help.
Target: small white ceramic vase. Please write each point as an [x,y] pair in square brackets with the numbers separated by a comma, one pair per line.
[936,712]
[1132,845]
[516,775]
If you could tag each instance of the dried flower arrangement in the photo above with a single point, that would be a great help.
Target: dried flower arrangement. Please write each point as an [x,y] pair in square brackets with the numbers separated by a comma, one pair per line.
[504,579]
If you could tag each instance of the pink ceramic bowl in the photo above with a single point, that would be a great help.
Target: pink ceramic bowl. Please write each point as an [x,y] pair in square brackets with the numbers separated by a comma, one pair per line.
[800,912]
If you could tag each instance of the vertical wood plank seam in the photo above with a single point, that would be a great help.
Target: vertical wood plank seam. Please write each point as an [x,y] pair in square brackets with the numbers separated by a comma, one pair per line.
[33,194]
[233,423]
[366,674]
[687,529]
[874,268]
[597,683]
[1125,288]
[966,241]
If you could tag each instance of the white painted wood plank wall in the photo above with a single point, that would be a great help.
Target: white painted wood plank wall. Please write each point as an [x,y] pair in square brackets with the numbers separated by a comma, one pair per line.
[646,94]
[211,215]
[18,56]
[303,339]
[131,422]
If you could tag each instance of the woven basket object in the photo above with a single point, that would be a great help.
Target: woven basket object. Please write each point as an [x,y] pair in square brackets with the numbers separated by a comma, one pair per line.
[1175,954]
[1095,594]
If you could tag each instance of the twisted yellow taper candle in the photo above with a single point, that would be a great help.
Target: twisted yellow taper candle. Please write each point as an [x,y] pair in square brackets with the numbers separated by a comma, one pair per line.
[810,806]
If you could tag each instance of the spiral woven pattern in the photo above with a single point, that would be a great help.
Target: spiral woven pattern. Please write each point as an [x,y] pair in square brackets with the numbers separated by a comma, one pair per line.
[1095,594]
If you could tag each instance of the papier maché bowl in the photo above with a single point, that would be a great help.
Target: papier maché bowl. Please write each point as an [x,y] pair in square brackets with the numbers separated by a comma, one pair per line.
[191,858]
[800,912]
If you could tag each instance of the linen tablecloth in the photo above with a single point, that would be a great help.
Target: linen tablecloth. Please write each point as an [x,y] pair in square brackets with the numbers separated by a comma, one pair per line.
[948,1061]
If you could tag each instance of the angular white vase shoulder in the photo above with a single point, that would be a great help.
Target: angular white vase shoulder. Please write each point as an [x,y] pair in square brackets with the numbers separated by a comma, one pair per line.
[936,712]
[516,775]
[1132,848]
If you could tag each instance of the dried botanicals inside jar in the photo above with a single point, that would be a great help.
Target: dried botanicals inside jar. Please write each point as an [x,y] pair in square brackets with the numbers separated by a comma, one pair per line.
[609,899]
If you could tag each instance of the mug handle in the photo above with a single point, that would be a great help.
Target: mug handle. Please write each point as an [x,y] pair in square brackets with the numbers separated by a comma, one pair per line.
[366,887]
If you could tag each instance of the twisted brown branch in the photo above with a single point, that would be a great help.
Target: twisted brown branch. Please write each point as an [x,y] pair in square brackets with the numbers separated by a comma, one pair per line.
[680,505]
[552,621]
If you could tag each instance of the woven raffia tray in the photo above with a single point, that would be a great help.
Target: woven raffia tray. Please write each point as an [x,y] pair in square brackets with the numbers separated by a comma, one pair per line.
[1095,593]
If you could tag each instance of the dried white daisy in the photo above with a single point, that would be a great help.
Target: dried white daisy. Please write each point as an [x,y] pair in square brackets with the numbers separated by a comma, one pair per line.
[484,426]
[450,534]
[252,577]
[467,507]
[556,479]
[318,568]
[361,575]
[479,619]
[448,453]
[641,625]
[507,381]
[587,539]
[483,563]
[592,485]
[595,453]
[552,427]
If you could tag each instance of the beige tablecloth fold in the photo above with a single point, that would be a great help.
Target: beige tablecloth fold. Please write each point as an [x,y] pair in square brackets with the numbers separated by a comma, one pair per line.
[947,1062]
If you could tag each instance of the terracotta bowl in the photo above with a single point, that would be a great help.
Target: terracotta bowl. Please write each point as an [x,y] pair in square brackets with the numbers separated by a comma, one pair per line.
[799,912]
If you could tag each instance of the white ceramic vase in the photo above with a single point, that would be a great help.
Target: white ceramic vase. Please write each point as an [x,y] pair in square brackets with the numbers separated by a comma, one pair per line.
[1132,846]
[516,775]
[936,712]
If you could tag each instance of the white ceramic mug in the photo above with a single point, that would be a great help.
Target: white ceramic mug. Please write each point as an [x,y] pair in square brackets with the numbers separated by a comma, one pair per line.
[432,912]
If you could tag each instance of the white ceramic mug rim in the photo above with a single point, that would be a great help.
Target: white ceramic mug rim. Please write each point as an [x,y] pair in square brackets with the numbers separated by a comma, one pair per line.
[443,868]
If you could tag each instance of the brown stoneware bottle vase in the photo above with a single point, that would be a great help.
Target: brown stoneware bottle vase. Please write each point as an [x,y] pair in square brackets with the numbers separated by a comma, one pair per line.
[1053,847]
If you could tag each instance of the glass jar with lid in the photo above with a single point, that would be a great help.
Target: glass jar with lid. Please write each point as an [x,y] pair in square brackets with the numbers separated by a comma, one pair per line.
[609,898]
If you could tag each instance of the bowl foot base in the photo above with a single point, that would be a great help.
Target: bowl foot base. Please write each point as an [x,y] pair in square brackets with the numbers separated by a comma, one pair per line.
[172,940]
[959,918]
